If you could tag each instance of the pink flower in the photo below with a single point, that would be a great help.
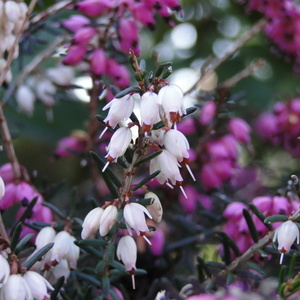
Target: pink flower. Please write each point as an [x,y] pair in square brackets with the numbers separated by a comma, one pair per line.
[75,55]
[208,112]
[98,62]
[95,8]
[84,35]
[75,22]
[6,172]
[129,35]
[239,129]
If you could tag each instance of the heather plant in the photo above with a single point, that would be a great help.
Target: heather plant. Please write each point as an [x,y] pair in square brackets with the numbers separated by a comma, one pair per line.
[122,177]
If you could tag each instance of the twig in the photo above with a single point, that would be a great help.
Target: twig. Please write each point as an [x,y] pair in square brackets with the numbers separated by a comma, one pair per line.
[3,231]
[16,42]
[260,244]
[50,11]
[243,74]
[8,146]
[216,62]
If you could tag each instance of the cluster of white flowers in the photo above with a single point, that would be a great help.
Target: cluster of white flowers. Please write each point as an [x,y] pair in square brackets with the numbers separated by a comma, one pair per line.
[12,16]
[166,106]
[61,258]
[134,216]
[43,87]
[28,286]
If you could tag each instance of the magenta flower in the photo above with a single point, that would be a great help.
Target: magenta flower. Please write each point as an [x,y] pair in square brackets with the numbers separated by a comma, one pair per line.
[75,55]
[239,129]
[75,22]
[98,62]
[208,112]
[84,35]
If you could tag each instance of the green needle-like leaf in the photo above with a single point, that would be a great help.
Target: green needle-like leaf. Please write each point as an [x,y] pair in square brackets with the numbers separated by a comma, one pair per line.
[132,89]
[147,158]
[251,226]
[276,218]
[22,243]
[37,256]
[147,179]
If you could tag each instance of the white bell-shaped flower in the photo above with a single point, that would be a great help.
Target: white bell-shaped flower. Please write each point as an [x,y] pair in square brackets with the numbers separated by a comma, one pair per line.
[155,208]
[15,288]
[91,223]
[177,144]
[118,145]
[120,109]
[25,99]
[134,215]
[2,188]
[149,110]
[285,235]
[73,254]
[4,270]
[127,252]
[171,100]
[38,285]
[168,166]
[108,219]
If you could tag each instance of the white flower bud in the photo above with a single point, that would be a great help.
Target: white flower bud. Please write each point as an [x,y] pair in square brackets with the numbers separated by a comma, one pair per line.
[44,237]
[91,223]
[149,110]
[12,10]
[38,285]
[61,75]
[25,99]
[4,270]
[119,143]
[286,234]
[61,246]
[108,219]
[15,288]
[127,252]
[177,144]
[2,188]
[155,208]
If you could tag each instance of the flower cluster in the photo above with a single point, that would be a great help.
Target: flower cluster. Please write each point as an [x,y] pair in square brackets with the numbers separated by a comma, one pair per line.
[166,106]
[282,28]
[27,285]
[281,127]
[22,193]
[13,15]
[43,86]
[236,226]
[61,258]
[117,21]
[102,219]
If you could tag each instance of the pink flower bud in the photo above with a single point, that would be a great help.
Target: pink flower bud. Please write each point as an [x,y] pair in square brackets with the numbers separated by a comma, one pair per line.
[108,219]
[208,112]
[7,173]
[128,33]
[239,129]
[285,235]
[9,198]
[119,73]
[142,13]
[84,35]
[75,55]
[98,62]
[75,22]
[95,8]
[157,242]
